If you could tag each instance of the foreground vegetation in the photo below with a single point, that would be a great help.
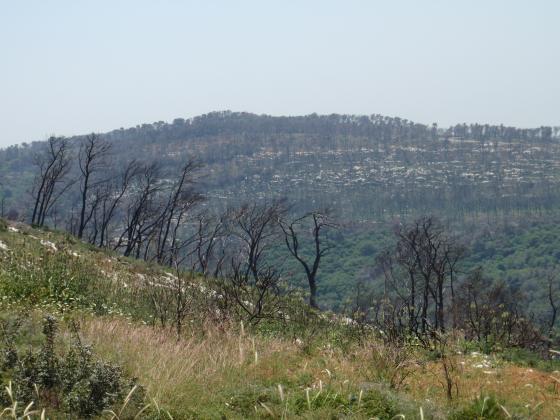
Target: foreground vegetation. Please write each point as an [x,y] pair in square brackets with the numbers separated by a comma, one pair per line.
[81,338]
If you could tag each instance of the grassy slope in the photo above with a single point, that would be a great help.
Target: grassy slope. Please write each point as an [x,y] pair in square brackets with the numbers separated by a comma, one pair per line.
[220,370]
[228,374]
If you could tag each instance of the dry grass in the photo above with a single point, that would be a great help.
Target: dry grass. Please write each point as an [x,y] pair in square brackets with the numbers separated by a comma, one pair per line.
[191,372]
[533,393]
[201,372]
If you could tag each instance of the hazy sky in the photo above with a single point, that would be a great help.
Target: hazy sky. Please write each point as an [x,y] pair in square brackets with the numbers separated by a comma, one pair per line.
[69,67]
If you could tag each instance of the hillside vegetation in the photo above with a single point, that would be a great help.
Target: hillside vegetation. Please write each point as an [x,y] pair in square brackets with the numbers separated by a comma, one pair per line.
[188,270]
[523,253]
[365,167]
[81,337]
[492,185]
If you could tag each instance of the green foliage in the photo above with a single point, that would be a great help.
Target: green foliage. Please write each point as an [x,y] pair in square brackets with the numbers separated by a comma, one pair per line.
[3,225]
[34,275]
[47,278]
[528,358]
[71,381]
[482,408]
[520,253]
[313,402]
[368,168]
[316,400]
[375,404]
[371,403]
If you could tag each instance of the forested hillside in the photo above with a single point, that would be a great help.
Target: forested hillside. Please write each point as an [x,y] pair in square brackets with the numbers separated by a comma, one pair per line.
[496,187]
[366,168]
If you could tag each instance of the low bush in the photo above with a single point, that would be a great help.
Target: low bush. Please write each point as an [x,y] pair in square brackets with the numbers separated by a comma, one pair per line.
[482,408]
[528,358]
[73,382]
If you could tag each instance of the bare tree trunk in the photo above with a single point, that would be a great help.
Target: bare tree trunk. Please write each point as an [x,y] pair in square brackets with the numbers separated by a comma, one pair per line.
[320,222]
[93,152]
[53,167]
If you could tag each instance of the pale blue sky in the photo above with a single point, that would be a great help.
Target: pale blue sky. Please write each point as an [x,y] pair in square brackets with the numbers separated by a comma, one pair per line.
[69,67]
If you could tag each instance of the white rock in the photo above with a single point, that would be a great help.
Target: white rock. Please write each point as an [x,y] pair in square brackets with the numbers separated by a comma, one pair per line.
[3,246]
[49,244]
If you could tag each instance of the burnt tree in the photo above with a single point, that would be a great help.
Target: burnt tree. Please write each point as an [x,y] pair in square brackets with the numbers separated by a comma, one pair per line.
[316,224]
[91,160]
[53,167]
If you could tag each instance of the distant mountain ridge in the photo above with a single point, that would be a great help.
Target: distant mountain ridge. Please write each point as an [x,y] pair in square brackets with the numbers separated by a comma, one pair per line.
[221,122]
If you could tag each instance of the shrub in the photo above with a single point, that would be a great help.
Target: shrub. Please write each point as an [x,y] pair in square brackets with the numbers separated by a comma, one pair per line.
[482,408]
[376,405]
[372,403]
[3,225]
[390,363]
[73,381]
[528,358]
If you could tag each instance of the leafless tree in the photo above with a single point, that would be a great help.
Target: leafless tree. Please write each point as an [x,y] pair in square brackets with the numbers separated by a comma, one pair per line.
[420,270]
[400,277]
[91,160]
[142,212]
[95,201]
[53,167]
[552,300]
[2,202]
[209,235]
[492,313]
[253,298]
[251,280]
[316,223]
[181,199]
[176,297]
[112,194]
[442,342]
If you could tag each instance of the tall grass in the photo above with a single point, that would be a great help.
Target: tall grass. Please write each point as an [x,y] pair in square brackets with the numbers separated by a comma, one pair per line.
[228,372]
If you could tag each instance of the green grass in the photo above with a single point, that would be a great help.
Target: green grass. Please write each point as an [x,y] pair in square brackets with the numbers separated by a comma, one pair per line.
[311,367]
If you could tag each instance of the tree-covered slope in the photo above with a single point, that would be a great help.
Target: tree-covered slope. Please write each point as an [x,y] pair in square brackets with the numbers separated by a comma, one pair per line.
[487,182]
[365,167]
